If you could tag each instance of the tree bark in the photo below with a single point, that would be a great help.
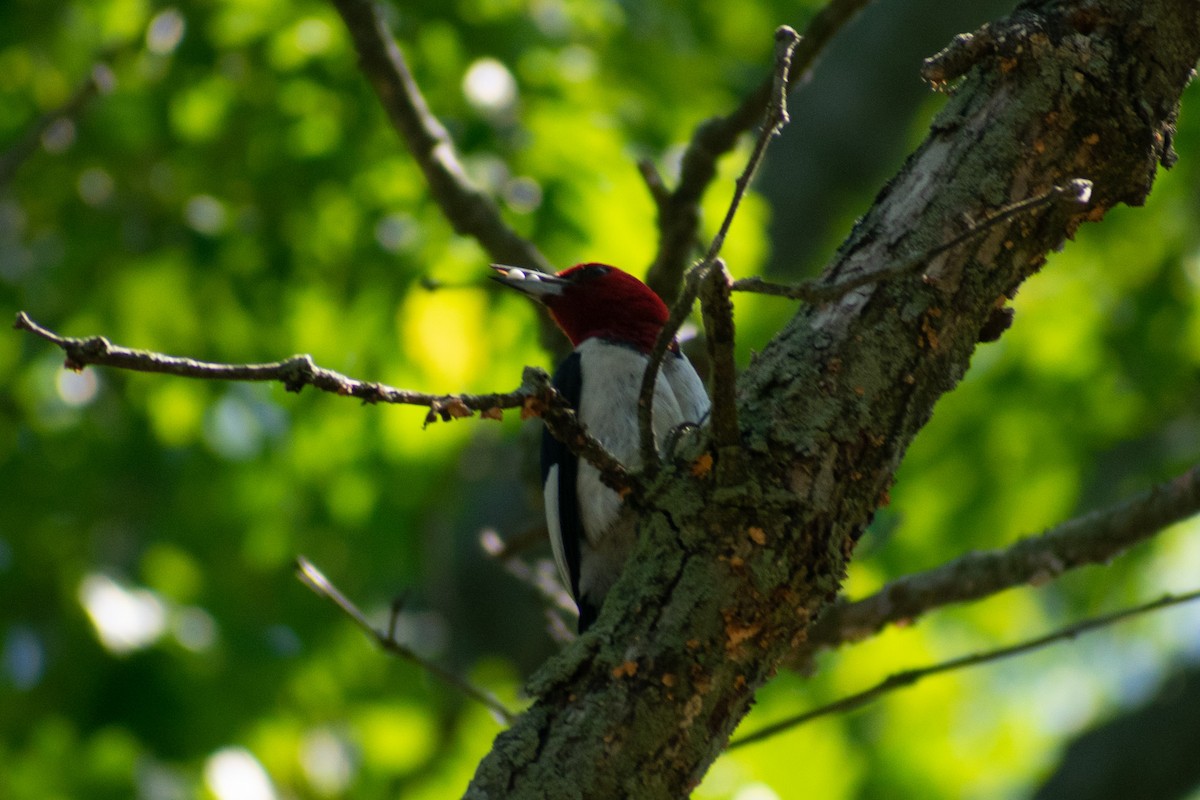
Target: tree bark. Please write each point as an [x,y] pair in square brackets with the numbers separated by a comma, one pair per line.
[737,556]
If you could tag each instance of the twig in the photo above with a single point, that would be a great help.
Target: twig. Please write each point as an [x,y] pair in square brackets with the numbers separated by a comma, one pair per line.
[1072,194]
[544,582]
[775,117]
[1094,538]
[469,210]
[680,310]
[314,579]
[715,303]
[679,216]
[512,547]
[99,81]
[535,396]
[910,677]
[654,183]
[294,373]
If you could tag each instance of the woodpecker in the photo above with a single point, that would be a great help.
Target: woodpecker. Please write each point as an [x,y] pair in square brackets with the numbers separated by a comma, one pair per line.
[613,320]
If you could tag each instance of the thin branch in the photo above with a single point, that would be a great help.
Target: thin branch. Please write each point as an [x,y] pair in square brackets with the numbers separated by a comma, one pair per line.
[560,419]
[910,677]
[715,302]
[294,373]
[471,211]
[775,117]
[679,216]
[680,311]
[1094,538]
[314,579]
[99,81]
[655,184]
[1074,194]
[544,582]
[535,396]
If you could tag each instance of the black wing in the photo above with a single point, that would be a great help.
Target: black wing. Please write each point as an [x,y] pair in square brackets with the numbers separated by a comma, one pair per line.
[568,380]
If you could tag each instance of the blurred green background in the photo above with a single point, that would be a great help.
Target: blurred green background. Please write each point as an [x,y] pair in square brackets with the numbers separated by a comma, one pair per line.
[238,196]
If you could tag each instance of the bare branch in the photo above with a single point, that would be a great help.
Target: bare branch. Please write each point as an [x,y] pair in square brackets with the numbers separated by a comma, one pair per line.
[535,396]
[545,582]
[910,677]
[654,183]
[679,216]
[776,116]
[100,80]
[560,419]
[294,373]
[1094,538]
[1076,193]
[469,210]
[314,579]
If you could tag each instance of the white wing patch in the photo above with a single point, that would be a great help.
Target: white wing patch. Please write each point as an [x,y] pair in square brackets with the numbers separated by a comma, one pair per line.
[554,525]
[688,388]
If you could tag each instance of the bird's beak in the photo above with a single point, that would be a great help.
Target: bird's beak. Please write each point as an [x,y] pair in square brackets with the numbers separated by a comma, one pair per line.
[538,285]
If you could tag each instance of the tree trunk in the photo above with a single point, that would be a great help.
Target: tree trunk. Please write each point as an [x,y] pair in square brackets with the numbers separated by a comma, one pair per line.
[736,560]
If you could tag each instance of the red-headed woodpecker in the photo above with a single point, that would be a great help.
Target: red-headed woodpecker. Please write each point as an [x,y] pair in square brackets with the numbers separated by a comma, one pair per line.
[613,319]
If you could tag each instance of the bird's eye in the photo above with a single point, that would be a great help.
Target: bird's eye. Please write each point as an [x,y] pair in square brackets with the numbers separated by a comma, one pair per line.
[597,270]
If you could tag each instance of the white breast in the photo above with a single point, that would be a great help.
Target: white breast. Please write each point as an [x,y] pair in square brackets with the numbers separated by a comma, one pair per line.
[612,379]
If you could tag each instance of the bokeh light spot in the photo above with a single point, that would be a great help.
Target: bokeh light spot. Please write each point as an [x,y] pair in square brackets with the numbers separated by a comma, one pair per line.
[194,629]
[125,619]
[205,214]
[165,31]
[756,791]
[397,232]
[95,186]
[489,86]
[24,657]
[328,761]
[313,36]
[59,136]
[232,773]
[523,195]
[77,388]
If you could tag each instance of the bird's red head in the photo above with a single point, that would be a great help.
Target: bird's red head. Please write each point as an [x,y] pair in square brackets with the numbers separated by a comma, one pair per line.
[594,300]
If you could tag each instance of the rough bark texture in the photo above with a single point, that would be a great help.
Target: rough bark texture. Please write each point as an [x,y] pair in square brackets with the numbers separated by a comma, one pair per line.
[737,559]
